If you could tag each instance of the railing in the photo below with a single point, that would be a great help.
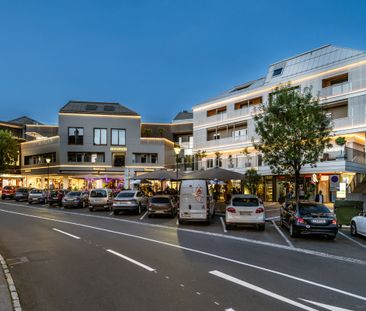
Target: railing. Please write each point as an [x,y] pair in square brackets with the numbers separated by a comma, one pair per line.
[337,89]
[217,118]
[348,154]
[226,140]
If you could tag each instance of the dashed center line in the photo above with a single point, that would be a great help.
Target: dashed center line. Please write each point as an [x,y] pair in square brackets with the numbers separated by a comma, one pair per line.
[65,233]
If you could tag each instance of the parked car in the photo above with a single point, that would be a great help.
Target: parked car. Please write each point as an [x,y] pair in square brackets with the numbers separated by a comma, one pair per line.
[195,203]
[8,192]
[75,199]
[358,225]
[21,194]
[129,200]
[309,218]
[162,205]
[100,199]
[54,197]
[245,209]
[37,196]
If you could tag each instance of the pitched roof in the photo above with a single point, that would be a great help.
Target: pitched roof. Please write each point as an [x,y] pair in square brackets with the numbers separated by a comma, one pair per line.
[86,107]
[183,115]
[25,120]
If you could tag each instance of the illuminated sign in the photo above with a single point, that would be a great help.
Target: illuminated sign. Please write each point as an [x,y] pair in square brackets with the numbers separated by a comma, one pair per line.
[118,149]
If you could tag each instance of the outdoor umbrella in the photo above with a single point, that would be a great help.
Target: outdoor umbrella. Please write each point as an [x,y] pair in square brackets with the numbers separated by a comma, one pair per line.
[158,175]
[214,174]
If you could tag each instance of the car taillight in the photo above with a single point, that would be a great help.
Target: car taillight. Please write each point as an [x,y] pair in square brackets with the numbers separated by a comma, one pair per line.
[300,220]
[259,210]
[231,210]
[334,221]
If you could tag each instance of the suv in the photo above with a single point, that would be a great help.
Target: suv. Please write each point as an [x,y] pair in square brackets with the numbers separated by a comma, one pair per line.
[8,192]
[100,199]
[309,218]
[129,200]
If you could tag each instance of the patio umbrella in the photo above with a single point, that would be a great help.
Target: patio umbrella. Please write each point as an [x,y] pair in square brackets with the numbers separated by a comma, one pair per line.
[158,175]
[214,174]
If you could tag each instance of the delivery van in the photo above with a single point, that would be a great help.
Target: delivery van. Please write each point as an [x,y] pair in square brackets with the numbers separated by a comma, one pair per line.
[195,202]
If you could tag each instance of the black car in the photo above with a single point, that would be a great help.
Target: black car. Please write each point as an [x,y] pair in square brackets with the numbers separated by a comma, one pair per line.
[308,218]
[75,199]
[21,194]
[54,197]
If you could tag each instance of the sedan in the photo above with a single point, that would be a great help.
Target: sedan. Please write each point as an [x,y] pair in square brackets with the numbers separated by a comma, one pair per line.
[55,197]
[309,218]
[358,225]
[245,209]
[129,200]
[37,196]
[162,205]
[75,199]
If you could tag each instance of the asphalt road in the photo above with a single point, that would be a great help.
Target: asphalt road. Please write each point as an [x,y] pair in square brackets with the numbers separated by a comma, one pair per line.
[81,261]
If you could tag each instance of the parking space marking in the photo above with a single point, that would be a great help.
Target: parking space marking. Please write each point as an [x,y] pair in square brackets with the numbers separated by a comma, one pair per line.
[131,260]
[65,233]
[272,209]
[324,306]
[351,239]
[261,290]
[223,224]
[143,216]
[283,235]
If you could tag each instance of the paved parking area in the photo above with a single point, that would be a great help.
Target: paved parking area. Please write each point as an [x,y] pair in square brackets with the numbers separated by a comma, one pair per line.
[343,245]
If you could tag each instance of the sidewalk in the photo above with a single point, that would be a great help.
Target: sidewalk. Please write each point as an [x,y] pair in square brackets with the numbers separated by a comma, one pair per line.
[5,298]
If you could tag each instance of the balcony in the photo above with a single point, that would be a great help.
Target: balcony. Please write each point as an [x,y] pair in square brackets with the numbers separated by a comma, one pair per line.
[336,89]
[217,118]
[226,141]
[348,154]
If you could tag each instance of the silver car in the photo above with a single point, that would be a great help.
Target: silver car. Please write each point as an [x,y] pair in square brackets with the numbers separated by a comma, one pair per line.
[129,200]
[37,196]
[100,199]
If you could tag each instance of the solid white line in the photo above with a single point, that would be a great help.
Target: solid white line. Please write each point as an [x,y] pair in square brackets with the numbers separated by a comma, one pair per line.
[131,260]
[230,309]
[261,290]
[283,235]
[63,232]
[351,239]
[143,216]
[327,307]
[345,259]
[223,224]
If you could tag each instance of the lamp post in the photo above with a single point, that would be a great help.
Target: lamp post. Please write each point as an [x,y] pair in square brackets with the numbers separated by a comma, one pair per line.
[48,160]
[177,152]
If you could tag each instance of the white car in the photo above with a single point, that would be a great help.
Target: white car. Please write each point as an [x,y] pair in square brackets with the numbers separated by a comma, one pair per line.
[358,225]
[245,209]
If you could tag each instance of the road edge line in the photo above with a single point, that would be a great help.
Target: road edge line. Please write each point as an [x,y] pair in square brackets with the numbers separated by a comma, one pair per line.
[11,286]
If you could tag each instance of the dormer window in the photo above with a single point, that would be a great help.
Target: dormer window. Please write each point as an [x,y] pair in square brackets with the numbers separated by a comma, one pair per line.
[277,72]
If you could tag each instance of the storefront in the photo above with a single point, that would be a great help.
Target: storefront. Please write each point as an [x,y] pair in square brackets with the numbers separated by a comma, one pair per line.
[11,180]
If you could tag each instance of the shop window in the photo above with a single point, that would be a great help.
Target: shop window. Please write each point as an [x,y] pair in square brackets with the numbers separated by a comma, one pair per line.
[76,136]
[118,137]
[118,159]
[100,136]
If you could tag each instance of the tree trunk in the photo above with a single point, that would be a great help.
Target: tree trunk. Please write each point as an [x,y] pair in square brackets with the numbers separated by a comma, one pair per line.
[297,177]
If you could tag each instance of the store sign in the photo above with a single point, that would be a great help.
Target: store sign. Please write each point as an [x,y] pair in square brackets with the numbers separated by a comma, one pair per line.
[341,194]
[324,178]
[119,149]
[334,182]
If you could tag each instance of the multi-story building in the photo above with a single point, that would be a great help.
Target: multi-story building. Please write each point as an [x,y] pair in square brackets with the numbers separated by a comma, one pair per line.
[225,124]
[98,144]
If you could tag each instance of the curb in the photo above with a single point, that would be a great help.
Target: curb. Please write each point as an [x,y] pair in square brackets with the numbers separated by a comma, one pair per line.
[13,291]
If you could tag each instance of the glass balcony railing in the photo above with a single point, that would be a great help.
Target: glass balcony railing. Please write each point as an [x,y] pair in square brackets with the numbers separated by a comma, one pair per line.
[337,89]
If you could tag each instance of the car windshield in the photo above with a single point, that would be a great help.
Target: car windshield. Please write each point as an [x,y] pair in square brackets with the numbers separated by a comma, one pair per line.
[98,194]
[22,190]
[160,200]
[36,191]
[126,195]
[309,209]
[245,202]
[74,194]
[8,188]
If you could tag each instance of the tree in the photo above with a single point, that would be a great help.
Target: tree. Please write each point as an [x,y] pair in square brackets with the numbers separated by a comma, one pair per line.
[293,132]
[252,180]
[147,132]
[161,132]
[9,150]
[199,155]
[218,157]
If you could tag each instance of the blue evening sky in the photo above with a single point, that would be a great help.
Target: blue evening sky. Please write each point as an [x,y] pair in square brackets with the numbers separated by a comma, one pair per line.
[157,57]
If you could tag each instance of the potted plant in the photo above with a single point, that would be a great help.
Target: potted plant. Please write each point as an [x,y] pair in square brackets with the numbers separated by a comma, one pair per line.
[341,141]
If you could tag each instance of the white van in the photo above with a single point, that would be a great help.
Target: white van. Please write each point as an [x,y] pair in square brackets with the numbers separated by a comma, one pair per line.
[195,203]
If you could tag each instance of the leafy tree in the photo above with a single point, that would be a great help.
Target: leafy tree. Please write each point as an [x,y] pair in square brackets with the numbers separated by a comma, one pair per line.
[200,154]
[293,131]
[147,132]
[252,180]
[9,150]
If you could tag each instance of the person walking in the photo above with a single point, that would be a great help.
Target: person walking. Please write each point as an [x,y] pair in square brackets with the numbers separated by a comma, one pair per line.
[319,197]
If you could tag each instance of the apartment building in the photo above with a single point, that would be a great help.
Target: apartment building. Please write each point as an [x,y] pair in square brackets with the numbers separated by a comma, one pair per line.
[98,144]
[225,124]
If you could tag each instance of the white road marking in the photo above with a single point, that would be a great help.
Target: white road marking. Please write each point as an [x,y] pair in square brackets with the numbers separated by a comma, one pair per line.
[198,293]
[111,213]
[63,232]
[143,216]
[261,290]
[230,309]
[283,235]
[345,259]
[223,224]
[181,285]
[272,218]
[351,239]
[131,260]
[327,307]
[216,303]
[177,222]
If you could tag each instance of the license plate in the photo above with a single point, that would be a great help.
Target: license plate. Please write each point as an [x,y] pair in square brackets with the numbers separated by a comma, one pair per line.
[319,221]
[245,213]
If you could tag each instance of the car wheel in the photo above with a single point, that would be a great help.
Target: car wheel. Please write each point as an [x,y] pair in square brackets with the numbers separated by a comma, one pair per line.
[180,221]
[353,228]
[139,208]
[293,232]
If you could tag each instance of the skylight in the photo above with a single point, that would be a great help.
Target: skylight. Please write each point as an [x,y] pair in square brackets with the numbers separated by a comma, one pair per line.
[109,108]
[241,87]
[277,72]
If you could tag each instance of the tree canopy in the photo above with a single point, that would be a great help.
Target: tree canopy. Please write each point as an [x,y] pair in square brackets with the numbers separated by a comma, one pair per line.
[9,150]
[293,131]
[252,180]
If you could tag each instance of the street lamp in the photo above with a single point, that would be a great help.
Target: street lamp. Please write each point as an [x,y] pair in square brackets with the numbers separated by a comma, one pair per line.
[177,152]
[48,160]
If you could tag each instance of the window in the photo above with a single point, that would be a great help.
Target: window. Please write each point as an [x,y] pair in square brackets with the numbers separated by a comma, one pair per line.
[335,80]
[86,157]
[247,103]
[337,110]
[76,135]
[151,158]
[118,159]
[100,136]
[209,163]
[216,111]
[277,72]
[118,137]
[40,158]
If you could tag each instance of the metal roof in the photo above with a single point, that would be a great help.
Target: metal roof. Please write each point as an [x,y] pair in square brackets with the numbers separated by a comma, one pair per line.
[86,107]
[183,115]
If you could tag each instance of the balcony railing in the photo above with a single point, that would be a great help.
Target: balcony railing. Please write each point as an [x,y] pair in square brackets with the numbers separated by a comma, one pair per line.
[336,89]
[348,154]
[226,140]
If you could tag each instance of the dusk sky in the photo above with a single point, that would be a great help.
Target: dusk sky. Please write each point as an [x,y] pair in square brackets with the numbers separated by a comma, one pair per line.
[156,57]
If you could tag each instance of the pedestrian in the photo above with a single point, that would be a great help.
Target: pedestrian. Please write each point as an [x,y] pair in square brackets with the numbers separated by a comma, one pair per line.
[319,197]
